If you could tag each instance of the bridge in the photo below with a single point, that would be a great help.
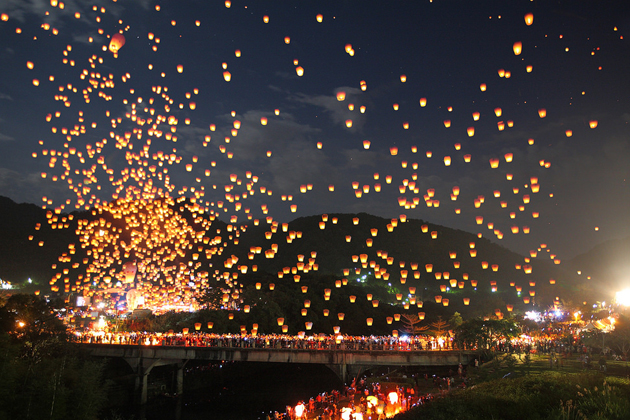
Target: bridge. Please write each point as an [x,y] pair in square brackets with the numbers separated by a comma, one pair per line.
[341,361]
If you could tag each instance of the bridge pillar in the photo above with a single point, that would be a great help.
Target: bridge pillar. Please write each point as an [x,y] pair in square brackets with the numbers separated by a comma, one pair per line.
[347,372]
[142,367]
[180,377]
[340,370]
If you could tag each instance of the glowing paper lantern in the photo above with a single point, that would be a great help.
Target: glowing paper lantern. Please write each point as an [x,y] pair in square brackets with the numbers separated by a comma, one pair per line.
[116,43]
[529,19]
[518,48]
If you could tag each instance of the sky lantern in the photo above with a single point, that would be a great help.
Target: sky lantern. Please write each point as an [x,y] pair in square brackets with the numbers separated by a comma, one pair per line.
[403,78]
[423,102]
[227,76]
[129,271]
[366,144]
[498,112]
[529,19]
[483,87]
[475,116]
[116,43]
[569,133]
[180,68]
[447,123]
[263,120]
[341,96]
[470,131]
[518,48]
[299,70]
[393,151]
[542,112]
[592,123]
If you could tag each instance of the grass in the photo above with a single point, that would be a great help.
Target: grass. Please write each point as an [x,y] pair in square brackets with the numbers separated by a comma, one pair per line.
[509,388]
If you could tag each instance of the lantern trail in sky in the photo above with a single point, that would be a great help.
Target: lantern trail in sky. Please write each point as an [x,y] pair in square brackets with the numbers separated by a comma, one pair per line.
[161,125]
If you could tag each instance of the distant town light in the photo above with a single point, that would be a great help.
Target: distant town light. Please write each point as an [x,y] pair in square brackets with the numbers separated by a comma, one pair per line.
[622,298]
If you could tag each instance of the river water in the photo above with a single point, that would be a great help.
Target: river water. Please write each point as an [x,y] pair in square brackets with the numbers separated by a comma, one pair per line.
[237,391]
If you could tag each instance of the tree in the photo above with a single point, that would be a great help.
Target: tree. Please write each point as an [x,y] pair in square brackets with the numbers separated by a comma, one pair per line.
[455,320]
[410,324]
[481,333]
[30,317]
[620,337]
[439,327]
[212,298]
[43,374]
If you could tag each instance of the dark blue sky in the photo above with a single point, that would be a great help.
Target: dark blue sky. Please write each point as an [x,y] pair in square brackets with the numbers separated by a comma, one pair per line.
[446,49]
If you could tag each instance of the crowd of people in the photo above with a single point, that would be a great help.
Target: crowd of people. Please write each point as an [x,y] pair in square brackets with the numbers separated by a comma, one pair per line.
[271,341]
[374,399]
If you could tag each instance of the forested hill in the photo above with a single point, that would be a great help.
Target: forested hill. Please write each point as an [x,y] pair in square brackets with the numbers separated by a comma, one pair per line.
[428,255]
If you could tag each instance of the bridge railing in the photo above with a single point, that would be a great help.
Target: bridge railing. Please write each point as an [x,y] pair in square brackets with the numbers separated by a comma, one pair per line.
[269,342]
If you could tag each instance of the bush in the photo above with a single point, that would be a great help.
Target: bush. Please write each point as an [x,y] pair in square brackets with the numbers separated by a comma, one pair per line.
[542,397]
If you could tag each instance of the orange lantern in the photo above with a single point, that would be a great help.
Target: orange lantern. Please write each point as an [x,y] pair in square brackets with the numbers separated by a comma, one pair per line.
[116,43]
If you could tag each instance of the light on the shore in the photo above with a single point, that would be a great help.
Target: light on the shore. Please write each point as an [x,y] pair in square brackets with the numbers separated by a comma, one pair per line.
[623,297]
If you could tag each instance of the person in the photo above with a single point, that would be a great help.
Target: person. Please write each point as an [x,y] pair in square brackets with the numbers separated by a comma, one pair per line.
[602,364]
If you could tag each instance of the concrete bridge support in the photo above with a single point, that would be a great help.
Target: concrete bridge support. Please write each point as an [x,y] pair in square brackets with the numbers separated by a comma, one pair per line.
[347,372]
[143,366]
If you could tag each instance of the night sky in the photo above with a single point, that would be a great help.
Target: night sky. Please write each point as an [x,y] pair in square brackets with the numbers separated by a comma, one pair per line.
[446,49]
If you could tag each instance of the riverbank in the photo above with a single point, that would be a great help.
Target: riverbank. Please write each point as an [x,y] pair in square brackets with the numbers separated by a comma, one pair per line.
[545,387]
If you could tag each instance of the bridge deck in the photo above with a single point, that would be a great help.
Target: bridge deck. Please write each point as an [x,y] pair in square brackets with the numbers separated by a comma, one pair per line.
[285,355]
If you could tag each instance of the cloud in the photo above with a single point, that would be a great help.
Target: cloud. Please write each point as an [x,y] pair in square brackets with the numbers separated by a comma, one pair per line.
[5,96]
[4,137]
[338,110]
[29,188]
[21,10]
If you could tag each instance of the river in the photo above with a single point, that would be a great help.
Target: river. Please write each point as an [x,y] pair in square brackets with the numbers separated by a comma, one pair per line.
[235,390]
